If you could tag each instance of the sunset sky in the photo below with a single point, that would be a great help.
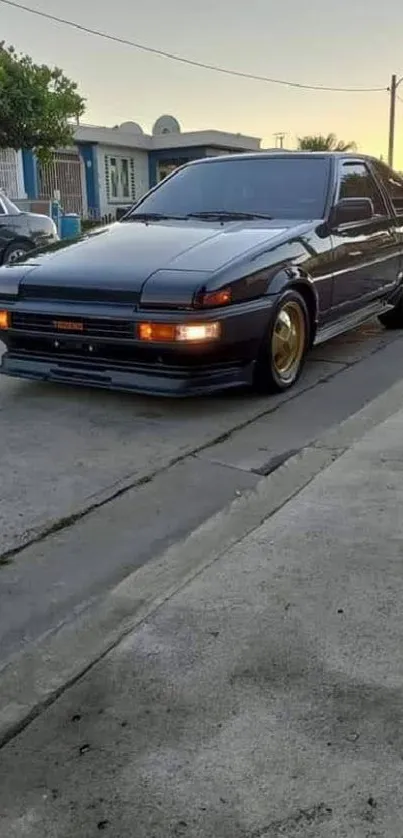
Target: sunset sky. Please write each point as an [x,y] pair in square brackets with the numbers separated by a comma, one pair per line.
[351,44]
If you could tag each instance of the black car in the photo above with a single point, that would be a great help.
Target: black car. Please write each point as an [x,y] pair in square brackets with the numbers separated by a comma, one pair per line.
[22,232]
[223,275]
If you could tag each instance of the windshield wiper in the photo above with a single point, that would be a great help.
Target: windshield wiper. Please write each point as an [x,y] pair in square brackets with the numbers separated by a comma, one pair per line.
[152,216]
[224,215]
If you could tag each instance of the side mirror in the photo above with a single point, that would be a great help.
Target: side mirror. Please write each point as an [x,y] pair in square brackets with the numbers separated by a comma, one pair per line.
[349,210]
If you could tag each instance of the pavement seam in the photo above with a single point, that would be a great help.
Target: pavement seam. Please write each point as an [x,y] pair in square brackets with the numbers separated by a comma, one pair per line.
[298,468]
[36,678]
[69,520]
[8,733]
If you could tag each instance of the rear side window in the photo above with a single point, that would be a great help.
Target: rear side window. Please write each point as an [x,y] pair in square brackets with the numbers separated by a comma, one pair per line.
[393,184]
[356,181]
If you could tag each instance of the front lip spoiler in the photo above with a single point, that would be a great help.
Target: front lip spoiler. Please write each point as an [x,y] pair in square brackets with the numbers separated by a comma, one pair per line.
[168,382]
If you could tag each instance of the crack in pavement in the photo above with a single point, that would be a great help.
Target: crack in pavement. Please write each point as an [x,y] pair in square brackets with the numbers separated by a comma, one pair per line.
[67,521]
[64,522]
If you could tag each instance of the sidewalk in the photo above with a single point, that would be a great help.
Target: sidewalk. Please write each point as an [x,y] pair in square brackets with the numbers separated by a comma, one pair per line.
[264,699]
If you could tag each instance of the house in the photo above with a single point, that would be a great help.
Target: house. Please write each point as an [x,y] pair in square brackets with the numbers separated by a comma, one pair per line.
[108,168]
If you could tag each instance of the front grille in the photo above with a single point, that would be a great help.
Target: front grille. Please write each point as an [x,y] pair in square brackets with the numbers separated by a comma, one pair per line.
[118,355]
[94,327]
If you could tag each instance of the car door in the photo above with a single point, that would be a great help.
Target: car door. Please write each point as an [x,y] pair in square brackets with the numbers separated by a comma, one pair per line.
[366,257]
[392,184]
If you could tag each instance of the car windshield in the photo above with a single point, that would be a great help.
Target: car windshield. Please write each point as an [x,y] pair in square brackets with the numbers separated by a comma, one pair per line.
[10,207]
[278,187]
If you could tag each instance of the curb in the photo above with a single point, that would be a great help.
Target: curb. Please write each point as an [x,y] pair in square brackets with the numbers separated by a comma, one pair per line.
[42,672]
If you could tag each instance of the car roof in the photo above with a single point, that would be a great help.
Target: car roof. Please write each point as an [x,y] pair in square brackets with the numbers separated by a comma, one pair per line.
[258,155]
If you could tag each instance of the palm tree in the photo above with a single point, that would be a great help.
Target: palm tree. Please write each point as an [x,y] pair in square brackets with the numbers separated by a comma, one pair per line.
[320,143]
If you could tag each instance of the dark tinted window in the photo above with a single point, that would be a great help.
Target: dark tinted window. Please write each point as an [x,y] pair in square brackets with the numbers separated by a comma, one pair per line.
[393,184]
[356,181]
[281,187]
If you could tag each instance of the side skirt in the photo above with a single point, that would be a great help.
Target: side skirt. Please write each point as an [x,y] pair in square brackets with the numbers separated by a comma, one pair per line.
[347,324]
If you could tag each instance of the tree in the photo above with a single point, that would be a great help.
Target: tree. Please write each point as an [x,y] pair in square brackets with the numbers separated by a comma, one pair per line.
[36,104]
[320,143]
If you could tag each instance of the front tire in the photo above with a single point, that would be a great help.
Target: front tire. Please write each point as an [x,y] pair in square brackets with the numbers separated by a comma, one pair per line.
[282,353]
[15,251]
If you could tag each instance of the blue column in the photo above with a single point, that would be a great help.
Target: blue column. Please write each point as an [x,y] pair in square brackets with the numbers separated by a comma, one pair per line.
[30,169]
[89,155]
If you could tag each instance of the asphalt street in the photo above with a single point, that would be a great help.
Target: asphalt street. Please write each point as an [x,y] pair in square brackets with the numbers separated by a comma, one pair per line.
[94,484]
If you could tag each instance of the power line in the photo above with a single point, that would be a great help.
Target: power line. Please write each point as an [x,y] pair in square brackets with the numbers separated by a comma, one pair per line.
[179,58]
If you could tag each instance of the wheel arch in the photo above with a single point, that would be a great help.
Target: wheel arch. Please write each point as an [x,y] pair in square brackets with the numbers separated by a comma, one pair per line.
[294,279]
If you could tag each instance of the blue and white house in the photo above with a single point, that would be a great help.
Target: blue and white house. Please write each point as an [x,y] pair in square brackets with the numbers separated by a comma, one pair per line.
[108,168]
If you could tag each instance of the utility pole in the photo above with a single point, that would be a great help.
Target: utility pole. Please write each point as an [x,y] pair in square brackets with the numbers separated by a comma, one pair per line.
[392,116]
[279,139]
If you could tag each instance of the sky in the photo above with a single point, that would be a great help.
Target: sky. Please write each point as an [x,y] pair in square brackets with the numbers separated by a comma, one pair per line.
[351,44]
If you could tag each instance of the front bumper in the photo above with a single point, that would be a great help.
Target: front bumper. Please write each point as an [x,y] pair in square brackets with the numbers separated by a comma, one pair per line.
[174,381]
[129,365]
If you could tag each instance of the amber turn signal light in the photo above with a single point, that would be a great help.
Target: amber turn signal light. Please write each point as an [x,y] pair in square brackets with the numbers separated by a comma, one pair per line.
[4,320]
[182,332]
[158,332]
[211,299]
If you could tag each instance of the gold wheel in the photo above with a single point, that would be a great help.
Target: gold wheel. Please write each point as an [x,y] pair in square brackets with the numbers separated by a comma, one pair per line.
[288,341]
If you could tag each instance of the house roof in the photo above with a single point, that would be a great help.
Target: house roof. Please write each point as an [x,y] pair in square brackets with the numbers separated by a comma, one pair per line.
[124,137]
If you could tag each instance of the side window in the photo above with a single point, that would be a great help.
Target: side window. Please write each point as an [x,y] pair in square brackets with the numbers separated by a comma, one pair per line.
[393,184]
[356,181]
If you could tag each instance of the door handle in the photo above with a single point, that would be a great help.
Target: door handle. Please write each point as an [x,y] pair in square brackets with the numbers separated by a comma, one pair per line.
[355,253]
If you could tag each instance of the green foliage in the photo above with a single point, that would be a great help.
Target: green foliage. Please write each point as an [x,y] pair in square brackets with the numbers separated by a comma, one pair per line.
[36,104]
[322,143]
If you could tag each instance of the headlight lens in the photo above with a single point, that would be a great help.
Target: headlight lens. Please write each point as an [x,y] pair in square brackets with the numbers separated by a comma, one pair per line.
[198,331]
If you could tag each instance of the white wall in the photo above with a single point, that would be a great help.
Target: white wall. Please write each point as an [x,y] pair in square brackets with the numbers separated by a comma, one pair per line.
[11,173]
[140,168]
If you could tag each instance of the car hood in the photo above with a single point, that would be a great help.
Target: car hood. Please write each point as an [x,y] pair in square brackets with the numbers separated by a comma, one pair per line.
[115,263]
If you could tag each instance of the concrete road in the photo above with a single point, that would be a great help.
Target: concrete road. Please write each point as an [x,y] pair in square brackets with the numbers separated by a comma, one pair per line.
[263,699]
[150,470]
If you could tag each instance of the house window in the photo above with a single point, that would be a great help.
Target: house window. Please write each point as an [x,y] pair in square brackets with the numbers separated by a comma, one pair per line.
[120,178]
[124,178]
[114,177]
[166,168]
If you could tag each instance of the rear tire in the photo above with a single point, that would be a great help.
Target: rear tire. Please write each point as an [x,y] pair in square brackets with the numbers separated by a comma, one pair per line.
[393,319]
[282,354]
